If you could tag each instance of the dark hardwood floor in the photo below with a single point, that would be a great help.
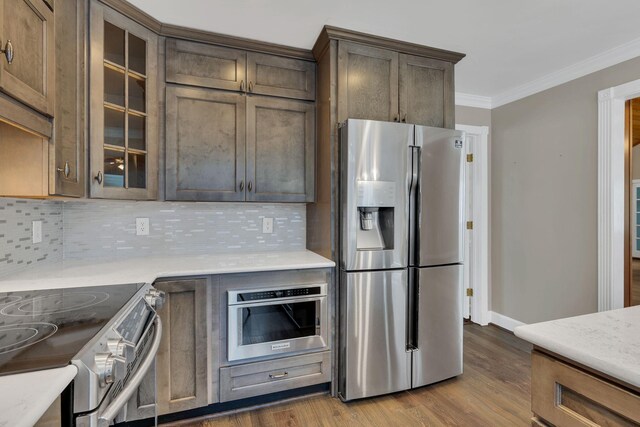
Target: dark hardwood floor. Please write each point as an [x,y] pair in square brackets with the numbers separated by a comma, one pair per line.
[493,391]
[635,283]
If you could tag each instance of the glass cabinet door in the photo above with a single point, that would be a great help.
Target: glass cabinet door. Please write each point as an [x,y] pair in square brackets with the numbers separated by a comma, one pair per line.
[123,131]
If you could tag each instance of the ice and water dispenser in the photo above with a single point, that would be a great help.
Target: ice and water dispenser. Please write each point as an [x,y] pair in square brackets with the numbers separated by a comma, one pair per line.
[375,201]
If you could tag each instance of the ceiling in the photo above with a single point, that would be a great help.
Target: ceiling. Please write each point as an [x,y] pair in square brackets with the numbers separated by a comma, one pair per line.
[509,43]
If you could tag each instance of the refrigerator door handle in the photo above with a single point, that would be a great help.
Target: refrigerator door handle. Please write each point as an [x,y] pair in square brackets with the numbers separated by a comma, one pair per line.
[412,310]
[414,203]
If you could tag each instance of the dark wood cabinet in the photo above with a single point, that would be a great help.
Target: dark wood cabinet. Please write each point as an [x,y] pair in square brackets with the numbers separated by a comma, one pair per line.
[367,82]
[280,150]
[278,76]
[224,146]
[67,154]
[205,145]
[28,27]
[426,95]
[182,363]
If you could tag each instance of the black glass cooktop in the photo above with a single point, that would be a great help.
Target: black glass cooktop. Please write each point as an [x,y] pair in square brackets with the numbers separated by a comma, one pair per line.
[46,328]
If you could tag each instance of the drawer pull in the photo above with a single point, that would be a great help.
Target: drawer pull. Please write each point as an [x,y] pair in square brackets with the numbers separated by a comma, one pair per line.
[278,376]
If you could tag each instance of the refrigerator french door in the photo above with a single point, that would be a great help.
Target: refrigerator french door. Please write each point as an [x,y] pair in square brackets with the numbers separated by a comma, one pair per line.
[401,214]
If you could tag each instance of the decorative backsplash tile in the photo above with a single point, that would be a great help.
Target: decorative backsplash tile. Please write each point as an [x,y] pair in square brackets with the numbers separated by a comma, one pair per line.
[106,229]
[16,248]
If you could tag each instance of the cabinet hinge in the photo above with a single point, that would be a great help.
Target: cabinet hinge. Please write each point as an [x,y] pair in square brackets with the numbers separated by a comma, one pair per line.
[469,225]
[469,292]
[470,158]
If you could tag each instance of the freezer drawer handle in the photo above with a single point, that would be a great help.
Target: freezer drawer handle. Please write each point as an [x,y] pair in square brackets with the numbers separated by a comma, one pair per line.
[278,376]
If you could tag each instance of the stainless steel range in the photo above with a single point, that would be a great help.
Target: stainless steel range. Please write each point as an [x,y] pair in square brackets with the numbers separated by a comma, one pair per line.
[110,333]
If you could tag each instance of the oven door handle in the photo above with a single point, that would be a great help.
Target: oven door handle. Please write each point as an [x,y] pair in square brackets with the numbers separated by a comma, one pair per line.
[111,411]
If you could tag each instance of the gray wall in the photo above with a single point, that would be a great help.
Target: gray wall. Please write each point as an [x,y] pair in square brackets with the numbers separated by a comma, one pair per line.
[17,251]
[473,116]
[544,199]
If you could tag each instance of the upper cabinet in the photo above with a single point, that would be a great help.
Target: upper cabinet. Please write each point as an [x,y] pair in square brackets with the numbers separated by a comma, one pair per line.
[27,40]
[123,107]
[216,67]
[382,84]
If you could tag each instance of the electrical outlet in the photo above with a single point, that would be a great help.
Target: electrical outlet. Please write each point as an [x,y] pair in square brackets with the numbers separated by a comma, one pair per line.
[267,225]
[142,226]
[36,231]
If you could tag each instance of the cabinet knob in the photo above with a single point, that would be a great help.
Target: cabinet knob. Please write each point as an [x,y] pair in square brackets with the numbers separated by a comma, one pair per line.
[249,186]
[66,170]
[8,51]
[250,86]
[404,118]
[242,85]
[396,118]
[98,177]
[241,185]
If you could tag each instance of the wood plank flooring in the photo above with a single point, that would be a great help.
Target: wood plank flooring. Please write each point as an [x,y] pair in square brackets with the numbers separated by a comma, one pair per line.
[493,391]
[635,283]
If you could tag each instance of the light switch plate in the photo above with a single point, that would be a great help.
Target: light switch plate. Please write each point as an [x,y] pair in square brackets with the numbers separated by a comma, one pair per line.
[267,225]
[142,226]
[36,231]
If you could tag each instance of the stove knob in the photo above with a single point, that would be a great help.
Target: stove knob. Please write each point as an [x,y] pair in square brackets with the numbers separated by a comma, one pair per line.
[123,348]
[111,368]
[155,298]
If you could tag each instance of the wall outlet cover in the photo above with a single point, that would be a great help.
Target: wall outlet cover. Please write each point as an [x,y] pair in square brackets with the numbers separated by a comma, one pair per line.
[267,225]
[36,231]
[142,226]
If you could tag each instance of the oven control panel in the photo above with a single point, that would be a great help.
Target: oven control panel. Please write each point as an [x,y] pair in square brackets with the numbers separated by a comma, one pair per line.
[277,293]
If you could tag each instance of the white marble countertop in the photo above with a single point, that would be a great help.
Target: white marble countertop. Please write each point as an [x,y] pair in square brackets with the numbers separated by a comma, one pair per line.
[607,342]
[25,397]
[76,273]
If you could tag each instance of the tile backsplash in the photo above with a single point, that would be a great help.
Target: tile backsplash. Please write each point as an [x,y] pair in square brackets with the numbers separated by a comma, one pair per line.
[105,229]
[16,248]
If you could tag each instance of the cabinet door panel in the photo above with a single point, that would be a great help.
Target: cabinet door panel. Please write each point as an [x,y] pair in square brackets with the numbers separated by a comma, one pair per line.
[30,78]
[205,145]
[367,82]
[277,76]
[182,361]
[426,92]
[280,150]
[67,158]
[198,64]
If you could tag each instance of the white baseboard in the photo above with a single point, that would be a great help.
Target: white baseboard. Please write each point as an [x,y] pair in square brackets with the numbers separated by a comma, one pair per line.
[504,321]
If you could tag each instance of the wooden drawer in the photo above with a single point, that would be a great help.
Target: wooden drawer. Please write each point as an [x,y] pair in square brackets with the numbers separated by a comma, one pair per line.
[204,65]
[278,76]
[255,379]
[566,396]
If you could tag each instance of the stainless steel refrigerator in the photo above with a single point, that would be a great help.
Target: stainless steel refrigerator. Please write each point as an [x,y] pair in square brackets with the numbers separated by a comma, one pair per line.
[401,254]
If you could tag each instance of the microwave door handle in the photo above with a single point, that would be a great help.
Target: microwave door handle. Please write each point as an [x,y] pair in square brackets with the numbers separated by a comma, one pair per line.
[110,413]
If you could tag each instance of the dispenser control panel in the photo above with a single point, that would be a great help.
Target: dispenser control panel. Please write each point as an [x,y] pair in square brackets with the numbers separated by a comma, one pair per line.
[376,194]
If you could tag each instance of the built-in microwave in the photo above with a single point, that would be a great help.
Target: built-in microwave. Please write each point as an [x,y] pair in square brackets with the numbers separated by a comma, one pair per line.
[276,321]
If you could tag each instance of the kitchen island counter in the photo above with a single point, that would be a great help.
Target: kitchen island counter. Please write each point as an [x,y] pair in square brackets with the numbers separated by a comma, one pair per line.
[80,273]
[607,342]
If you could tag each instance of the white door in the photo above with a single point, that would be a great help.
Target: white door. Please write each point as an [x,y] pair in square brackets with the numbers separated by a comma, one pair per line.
[468,238]
[635,218]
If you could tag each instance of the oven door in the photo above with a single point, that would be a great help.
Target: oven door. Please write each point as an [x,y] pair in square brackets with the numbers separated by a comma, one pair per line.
[276,327]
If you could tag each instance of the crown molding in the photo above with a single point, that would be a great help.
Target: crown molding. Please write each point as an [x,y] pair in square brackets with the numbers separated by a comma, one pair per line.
[469,100]
[590,65]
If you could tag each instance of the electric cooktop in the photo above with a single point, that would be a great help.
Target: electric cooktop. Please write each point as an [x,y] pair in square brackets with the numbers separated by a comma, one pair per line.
[46,328]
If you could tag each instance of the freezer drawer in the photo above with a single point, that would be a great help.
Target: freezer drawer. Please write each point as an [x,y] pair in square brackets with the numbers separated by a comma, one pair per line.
[374,357]
[439,232]
[439,324]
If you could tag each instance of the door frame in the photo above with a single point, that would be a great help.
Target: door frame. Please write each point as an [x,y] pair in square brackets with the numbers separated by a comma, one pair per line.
[479,249]
[611,193]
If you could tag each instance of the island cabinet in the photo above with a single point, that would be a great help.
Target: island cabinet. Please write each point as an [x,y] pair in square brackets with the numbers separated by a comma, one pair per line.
[563,394]
[27,39]
[225,146]
[184,355]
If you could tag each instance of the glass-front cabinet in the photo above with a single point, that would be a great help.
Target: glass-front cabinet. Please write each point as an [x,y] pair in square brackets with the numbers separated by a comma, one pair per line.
[123,115]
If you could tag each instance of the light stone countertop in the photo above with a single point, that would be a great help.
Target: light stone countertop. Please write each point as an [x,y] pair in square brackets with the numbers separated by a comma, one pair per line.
[607,342]
[81,273]
[25,397]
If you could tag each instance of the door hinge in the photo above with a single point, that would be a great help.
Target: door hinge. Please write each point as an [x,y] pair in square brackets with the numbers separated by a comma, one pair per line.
[469,225]
[469,292]
[469,158]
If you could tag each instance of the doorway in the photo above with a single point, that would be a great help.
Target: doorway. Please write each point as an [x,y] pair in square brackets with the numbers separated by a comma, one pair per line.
[476,253]
[632,192]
